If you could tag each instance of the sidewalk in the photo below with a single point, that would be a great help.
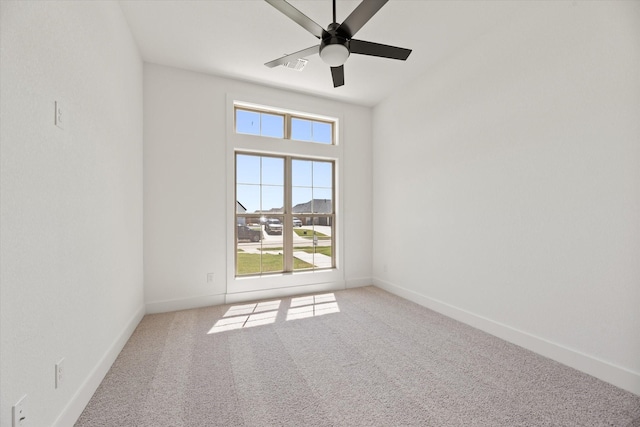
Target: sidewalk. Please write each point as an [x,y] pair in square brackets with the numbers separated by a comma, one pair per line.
[317,260]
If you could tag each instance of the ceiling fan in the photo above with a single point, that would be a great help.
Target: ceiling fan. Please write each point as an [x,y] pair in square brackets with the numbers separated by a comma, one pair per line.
[336,42]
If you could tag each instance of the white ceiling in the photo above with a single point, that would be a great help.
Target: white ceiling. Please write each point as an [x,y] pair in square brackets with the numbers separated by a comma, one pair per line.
[234,38]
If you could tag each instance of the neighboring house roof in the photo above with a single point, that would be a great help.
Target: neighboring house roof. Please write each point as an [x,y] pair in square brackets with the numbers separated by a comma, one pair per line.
[314,206]
[272,210]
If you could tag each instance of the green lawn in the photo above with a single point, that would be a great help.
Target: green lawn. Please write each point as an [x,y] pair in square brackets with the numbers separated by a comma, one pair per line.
[250,263]
[308,234]
[324,250]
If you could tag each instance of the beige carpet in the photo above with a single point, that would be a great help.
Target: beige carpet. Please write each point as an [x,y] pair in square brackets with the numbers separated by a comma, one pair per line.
[360,357]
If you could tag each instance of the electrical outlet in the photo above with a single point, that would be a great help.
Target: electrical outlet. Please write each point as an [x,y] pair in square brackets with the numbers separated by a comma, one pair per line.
[20,413]
[60,373]
[209,277]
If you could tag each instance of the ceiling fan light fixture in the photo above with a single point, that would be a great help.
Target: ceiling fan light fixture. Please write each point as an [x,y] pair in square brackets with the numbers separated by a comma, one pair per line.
[334,55]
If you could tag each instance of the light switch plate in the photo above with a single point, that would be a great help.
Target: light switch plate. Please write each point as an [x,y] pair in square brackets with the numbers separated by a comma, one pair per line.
[60,118]
[60,373]
[20,413]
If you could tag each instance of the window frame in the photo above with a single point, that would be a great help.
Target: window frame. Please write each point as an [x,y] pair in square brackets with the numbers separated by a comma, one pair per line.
[259,111]
[287,215]
[305,280]
[287,118]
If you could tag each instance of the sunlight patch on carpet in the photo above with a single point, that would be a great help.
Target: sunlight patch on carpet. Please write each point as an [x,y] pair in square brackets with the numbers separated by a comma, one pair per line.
[312,306]
[247,316]
[266,312]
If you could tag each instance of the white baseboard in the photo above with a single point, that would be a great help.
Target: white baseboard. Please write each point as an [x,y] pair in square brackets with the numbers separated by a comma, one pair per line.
[236,297]
[184,303]
[358,282]
[616,375]
[233,298]
[78,402]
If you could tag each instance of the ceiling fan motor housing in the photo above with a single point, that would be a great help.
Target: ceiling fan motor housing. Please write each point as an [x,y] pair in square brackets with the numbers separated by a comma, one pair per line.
[334,47]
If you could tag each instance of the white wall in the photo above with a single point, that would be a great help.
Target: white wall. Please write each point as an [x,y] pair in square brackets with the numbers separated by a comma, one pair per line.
[515,165]
[186,217]
[71,202]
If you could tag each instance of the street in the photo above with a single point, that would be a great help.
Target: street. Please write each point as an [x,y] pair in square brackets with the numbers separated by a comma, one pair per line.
[272,244]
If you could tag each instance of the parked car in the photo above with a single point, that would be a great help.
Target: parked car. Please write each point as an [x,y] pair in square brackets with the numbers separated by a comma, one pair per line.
[297,222]
[247,233]
[273,226]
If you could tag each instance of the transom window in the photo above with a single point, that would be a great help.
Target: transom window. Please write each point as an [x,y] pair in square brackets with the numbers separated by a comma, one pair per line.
[259,123]
[284,125]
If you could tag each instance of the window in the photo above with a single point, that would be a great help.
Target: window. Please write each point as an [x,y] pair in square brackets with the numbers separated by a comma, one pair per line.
[259,123]
[286,126]
[284,214]
[283,199]
[311,130]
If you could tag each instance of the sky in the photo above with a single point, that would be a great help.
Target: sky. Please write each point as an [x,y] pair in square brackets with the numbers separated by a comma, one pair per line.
[260,179]
[272,125]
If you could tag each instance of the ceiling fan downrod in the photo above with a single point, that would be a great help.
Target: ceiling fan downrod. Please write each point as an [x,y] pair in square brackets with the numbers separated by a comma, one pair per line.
[334,11]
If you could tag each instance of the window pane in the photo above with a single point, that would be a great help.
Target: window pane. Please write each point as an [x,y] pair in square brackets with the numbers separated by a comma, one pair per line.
[322,174]
[311,130]
[247,169]
[301,173]
[247,196]
[248,261]
[247,122]
[312,243]
[272,198]
[322,201]
[272,171]
[322,132]
[301,199]
[249,241]
[300,129]
[322,245]
[303,244]
[272,125]
[272,244]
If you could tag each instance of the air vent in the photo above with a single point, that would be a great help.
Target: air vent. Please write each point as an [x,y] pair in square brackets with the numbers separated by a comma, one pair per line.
[297,65]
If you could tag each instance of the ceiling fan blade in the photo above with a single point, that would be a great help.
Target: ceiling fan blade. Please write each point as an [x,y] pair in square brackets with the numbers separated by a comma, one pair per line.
[360,16]
[377,49]
[294,56]
[298,17]
[337,73]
